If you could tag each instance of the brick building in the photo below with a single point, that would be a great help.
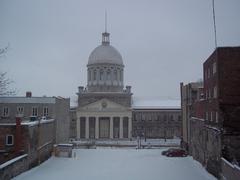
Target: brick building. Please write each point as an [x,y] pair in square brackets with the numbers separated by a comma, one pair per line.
[34,138]
[216,122]
[56,108]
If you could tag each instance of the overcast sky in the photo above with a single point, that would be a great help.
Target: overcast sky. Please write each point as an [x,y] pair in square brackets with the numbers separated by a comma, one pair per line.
[162,42]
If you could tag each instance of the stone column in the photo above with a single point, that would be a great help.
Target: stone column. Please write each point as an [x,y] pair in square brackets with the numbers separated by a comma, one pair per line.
[111,127]
[87,128]
[129,127]
[78,128]
[97,128]
[121,128]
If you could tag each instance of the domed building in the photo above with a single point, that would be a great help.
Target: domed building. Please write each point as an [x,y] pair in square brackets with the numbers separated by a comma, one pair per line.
[106,109]
[104,105]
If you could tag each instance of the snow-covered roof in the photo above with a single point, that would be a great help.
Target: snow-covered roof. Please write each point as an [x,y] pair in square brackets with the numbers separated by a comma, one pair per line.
[29,123]
[41,100]
[155,103]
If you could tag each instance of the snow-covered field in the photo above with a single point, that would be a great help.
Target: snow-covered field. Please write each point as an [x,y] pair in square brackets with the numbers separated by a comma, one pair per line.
[118,164]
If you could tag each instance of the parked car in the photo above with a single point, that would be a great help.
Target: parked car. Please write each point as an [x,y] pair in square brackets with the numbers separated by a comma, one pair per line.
[175,152]
[167,151]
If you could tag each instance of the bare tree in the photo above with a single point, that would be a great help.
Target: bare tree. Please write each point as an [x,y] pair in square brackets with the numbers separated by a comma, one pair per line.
[5,82]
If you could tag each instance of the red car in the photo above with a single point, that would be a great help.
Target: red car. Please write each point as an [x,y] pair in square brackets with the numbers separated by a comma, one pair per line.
[175,153]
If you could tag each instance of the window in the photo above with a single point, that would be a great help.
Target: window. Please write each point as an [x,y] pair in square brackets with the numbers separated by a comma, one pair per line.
[101,74]
[209,73]
[121,75]
[215,92]
[34,111]
[115,75]
[89,75]
[108,75]
[9,140]
[216,117]
[211,116]
[214,67]
[206,115]
[5,111]
[20,110]
[45,111]
[95,75]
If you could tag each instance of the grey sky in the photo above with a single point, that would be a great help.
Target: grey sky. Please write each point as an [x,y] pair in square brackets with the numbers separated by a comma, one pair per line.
[163,42]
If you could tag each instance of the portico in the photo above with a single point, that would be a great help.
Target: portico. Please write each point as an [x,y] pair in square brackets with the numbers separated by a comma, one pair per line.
[113,121]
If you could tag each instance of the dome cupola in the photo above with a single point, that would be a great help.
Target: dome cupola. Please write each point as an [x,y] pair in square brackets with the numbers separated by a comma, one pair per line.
[105,68]
[105,53]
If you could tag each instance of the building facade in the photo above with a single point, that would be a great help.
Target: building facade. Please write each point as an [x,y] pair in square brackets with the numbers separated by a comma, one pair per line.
[215,125]
[190,93]
[104,106]
[106,109]
[153,118]
[37,107]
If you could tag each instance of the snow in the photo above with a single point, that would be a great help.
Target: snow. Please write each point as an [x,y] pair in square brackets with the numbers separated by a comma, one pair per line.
[29,123]
[12,161]
[155,103]
[118,164]
[17,100]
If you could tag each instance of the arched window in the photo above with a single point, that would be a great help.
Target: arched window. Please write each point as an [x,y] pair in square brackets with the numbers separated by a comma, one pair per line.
[101,75]
[115,75]
[108,75]
[89,75]
[121,75]
[95,75]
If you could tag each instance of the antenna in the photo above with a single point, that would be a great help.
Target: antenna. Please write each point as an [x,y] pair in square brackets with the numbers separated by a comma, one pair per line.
[214,24]
[105,20]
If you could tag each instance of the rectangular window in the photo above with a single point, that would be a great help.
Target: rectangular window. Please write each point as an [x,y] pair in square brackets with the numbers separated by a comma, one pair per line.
[216,117]
[34,111]
[211,116]
[209,73]
[45,111]
[20,110]
[9,140]
[215,92]
[214,67]
[5,111]
[206,115]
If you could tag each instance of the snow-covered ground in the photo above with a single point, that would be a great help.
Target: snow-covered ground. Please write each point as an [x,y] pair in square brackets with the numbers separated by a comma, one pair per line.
[118,164]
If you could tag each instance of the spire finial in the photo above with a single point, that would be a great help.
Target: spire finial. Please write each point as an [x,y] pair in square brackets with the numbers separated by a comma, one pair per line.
[105,20]
[105,35]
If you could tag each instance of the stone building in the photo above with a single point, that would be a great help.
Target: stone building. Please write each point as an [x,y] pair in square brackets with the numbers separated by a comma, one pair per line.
[34,138]
[106,109]
[190,93]
[104,106]
[56,108]
[156,118]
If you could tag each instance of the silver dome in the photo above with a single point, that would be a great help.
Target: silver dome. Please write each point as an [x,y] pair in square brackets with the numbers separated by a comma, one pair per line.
[105,54]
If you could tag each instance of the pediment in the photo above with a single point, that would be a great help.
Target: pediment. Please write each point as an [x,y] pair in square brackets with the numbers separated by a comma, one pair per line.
[104,105]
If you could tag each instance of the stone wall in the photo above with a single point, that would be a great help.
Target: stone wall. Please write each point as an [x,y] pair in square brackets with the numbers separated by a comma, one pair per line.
[229,171]
[14,167]
[197,140]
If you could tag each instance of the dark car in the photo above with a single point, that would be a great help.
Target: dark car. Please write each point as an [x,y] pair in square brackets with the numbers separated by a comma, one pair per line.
[167,151]
[174,152]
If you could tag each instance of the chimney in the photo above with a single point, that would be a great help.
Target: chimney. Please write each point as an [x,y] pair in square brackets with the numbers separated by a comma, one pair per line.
[128,89]
[28,94]
[80,89]
[18,137]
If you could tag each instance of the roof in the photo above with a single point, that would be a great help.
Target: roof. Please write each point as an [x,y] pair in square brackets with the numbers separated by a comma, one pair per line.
[105,54]
[40,100]
[155,103]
